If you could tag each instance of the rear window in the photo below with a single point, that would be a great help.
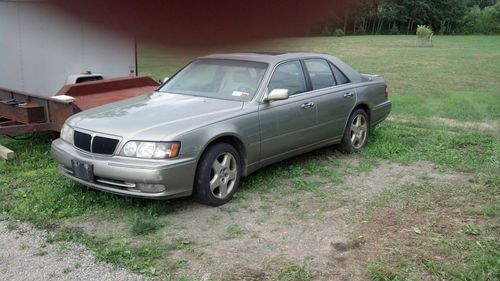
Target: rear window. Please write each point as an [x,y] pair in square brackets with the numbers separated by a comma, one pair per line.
[320,73]
[339,76]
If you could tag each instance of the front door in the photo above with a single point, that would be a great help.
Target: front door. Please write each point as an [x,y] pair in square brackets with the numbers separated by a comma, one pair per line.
[287,125]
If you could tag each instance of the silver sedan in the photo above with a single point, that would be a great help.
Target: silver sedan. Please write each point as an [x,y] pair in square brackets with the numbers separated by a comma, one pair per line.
[218,119]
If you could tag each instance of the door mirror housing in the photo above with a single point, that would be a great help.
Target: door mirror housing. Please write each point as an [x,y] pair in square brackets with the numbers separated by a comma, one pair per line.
[277,94]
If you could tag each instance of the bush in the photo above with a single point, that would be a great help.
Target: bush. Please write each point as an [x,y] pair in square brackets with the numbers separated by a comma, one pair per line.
[424,36]
[424,32]
[339,32]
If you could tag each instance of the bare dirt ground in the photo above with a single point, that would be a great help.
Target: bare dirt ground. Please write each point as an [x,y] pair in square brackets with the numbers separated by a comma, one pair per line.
[25,255]
[492,125]
[262,233]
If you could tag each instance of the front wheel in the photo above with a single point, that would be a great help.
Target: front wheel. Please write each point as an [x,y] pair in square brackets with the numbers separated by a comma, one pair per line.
[218,175]
[356,132]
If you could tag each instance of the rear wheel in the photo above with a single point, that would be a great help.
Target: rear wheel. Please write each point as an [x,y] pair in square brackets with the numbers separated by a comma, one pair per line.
[218,175]
[356,132]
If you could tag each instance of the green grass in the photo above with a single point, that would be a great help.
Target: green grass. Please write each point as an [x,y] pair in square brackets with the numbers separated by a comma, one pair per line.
[294,273]
[439,242]
[144,259]
[146,225]
[233,231]
[445,110]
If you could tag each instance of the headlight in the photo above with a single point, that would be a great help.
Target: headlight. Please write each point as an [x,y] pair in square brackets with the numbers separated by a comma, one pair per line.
[151,150]
[67,134]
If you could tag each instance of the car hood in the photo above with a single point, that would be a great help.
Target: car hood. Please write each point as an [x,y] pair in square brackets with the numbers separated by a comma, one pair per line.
[154,116]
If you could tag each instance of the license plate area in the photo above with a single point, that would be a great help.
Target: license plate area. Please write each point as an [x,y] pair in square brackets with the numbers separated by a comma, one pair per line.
[82,170]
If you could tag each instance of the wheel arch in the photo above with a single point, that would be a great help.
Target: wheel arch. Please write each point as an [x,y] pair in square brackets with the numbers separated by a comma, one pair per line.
[363,106]
[234,141]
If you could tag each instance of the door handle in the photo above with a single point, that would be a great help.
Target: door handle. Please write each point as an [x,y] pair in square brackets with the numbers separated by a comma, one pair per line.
[307,105]
[348,95]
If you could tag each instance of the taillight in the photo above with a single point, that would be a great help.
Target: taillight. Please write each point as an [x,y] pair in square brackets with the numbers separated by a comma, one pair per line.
[386,92]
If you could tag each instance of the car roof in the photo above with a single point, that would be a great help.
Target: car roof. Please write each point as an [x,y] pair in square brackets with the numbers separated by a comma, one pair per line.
[264,56]
[275,57]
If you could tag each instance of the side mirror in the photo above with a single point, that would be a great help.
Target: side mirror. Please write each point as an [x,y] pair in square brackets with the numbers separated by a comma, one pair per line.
[165,79]
[277,94]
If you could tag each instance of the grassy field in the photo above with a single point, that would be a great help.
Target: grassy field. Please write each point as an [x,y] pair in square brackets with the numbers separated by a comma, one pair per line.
[443,224]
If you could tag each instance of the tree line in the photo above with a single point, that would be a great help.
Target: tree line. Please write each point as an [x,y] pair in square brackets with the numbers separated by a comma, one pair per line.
[403,17]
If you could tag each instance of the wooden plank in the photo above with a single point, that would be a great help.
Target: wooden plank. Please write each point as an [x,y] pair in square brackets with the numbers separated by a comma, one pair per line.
[6,153]
[15,130]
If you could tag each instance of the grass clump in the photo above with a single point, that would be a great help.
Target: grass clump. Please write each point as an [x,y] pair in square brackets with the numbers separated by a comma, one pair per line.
[143,226]
[145,259]
[233,231]
[294,273]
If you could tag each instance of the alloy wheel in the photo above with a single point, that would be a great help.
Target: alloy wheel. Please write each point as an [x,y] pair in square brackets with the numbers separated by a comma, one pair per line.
[359,129]
[223,175]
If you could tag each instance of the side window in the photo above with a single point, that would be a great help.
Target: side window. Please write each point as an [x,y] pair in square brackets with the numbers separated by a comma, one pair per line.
[320,73]
[288,75]
[339,76]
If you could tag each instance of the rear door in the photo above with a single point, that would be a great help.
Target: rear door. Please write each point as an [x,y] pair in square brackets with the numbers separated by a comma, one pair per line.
[334,96]
[287,125]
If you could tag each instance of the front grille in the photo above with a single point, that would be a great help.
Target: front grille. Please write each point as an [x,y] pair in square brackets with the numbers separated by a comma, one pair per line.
[83,140]
[96,144]
[102,145]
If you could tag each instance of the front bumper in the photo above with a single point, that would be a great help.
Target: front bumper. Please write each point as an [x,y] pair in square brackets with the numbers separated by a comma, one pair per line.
[129,176]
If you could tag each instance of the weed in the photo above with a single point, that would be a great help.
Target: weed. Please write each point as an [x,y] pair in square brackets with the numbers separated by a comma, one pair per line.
[471,229]
[307,185]
[11,225]
[294,204]
[142,259]
[490,209]
[142,226]
[179,243]
[233,231]
[294,273]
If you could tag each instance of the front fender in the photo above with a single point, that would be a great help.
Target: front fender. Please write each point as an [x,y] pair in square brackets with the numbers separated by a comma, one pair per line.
[244,128]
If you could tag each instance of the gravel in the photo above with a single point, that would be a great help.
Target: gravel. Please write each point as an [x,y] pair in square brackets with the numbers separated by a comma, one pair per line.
[25,255]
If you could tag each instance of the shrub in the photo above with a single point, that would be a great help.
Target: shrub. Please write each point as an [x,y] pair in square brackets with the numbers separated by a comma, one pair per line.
[424,36]
[424,32]
[339,32]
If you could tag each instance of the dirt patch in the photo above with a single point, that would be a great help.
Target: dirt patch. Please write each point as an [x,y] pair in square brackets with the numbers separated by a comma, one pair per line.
[265,232]
[464,124]
[412,233]
[482,126]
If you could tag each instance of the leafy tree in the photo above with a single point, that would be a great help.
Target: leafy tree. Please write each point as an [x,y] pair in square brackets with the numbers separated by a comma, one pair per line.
[482,21]
[394,16]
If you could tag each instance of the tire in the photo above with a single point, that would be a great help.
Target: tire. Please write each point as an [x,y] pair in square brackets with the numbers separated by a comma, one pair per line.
[218,175]
[356,132]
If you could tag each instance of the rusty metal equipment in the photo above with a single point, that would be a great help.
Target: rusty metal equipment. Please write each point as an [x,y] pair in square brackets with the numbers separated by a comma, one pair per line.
[22,113]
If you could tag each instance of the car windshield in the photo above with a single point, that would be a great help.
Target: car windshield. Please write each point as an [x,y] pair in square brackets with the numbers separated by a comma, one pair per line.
[218,78]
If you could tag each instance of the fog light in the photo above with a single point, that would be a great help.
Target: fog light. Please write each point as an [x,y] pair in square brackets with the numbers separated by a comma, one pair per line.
[151,188]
